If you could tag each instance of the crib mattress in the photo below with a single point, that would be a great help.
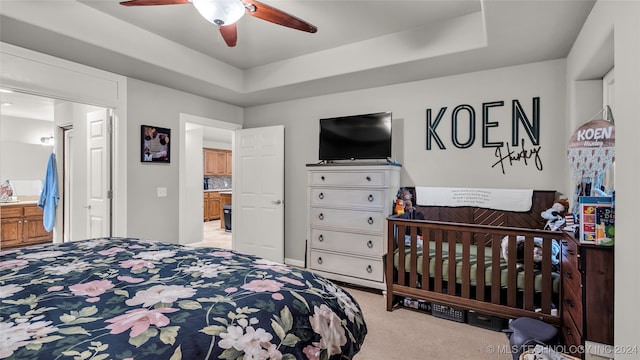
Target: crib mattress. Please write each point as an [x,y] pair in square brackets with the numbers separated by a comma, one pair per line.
[473,267]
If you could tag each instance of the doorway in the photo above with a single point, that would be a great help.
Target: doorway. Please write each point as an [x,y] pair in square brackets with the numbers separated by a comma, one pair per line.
[28,122]
[198,133]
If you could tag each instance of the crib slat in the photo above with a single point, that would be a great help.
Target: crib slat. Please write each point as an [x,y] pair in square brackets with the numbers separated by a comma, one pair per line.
[401,254]
[480,270]
[547,281]
[512,273]
[451,281]
[413,259]
[466,265]
[496,281]
[437,278]
[529,285]
[426,259]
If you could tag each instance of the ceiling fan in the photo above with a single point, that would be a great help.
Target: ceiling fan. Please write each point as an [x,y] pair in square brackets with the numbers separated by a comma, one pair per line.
[225,14]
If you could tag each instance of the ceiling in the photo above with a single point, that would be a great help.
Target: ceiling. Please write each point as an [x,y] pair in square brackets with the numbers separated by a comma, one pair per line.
[359,44]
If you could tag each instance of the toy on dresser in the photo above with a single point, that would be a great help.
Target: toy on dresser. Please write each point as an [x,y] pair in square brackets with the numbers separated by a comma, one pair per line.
[555,215]
[403,202]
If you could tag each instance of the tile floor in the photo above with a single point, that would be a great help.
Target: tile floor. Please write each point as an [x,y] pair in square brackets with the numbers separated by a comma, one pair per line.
[214,236]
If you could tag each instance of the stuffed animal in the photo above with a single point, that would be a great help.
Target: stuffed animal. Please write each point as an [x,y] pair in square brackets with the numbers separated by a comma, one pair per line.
[555,215]
[403,198]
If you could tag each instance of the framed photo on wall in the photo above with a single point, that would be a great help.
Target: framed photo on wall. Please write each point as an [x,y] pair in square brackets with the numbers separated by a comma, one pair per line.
[155,147]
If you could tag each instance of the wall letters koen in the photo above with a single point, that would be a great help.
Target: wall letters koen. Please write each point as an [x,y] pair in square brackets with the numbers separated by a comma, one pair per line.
[465,115]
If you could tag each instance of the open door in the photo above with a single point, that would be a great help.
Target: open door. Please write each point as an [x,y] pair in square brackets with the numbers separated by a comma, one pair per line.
[257,213]
[98,173]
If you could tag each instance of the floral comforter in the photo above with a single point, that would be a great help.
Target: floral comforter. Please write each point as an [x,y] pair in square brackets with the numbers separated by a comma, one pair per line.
[119,298]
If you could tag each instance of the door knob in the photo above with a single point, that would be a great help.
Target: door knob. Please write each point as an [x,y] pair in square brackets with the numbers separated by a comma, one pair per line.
[276,202]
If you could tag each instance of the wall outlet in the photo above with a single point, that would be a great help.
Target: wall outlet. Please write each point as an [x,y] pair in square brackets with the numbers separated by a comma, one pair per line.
[162,192]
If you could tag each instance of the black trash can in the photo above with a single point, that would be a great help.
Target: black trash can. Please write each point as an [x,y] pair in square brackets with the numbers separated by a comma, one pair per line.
[226,210]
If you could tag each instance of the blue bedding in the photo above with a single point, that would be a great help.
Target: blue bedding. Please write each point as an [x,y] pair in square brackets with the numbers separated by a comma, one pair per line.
[122,298]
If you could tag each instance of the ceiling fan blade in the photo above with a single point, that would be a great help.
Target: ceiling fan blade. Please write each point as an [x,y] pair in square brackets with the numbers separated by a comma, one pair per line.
[229,34]
[271,14]
[154,2]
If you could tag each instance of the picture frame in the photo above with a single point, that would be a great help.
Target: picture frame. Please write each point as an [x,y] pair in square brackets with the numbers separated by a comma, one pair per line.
[155,146]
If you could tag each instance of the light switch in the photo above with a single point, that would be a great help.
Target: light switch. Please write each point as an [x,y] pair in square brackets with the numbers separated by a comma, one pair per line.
[162,192]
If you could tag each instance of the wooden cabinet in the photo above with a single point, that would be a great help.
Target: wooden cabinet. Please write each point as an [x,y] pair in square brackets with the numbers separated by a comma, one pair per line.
[587,293]
[217,162]
[209,161]
[348,207]
[225,199]
[21,225]
[211,205]
[229,169]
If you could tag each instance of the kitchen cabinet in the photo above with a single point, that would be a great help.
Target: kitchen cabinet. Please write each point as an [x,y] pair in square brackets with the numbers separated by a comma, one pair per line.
[21,225]
[229,163]
[211,205]
[225,199]
[217,162]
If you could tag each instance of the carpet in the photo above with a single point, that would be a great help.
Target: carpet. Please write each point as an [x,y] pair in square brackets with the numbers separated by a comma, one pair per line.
[406,334]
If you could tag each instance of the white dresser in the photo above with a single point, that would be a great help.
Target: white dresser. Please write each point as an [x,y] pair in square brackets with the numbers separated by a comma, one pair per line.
[348,207]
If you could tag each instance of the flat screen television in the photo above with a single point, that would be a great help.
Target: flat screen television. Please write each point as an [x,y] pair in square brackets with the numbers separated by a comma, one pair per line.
[356,137]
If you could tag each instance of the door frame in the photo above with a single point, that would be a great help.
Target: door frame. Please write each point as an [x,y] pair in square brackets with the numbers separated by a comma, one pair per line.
[44,75]
[191,173]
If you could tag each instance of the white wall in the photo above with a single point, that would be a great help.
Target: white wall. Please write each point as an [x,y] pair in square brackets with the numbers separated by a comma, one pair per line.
[22,155]
[611,34]
[156,217]
[470,167]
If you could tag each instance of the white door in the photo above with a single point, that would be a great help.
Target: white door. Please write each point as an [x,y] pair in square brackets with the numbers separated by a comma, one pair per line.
[257,213]
[98,173]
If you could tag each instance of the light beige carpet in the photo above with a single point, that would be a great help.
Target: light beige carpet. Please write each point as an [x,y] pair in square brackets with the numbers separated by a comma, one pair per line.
[405,334]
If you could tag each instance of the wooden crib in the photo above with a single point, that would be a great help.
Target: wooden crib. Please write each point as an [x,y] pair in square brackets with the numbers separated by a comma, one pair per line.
[467,279]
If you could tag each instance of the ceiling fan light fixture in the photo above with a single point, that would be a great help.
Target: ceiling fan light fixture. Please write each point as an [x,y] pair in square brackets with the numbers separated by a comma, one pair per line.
[220,12]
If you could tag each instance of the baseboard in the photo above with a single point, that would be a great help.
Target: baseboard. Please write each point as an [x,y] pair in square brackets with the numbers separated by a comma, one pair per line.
[294,262]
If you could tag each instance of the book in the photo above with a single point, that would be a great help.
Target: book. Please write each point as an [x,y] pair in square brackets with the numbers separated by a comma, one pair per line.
[587,216]
[605,226]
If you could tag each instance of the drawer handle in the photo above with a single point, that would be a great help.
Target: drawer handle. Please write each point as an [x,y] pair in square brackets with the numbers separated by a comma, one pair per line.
[370,220]
[370,198]
[569,302]
[320,238]
[321,216]
[369,269]
[321,196]
[570,252]
[322,177]
[568,331]
[370,244]
[564,242]
[568,275]
[319,260]
[368,178]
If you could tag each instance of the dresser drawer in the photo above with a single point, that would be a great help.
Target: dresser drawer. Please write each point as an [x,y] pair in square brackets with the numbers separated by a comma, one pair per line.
[11,211]
[347,265]
[347,197]
[32,211]
[572,306]
[571,277]
[571,336]
[371,221]
[355,178]
[346,242]
[570,253]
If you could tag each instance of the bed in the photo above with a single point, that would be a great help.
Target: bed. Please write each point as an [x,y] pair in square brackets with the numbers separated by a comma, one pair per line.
[124,298]
[485,273]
